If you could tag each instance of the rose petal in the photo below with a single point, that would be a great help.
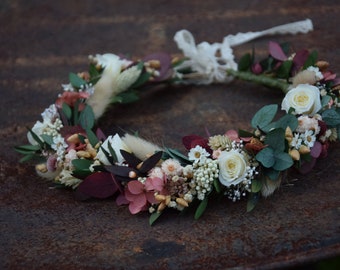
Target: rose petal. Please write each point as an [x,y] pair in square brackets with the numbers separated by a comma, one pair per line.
[276,51]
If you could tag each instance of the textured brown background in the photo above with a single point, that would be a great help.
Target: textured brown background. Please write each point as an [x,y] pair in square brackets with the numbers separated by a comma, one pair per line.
[42,228]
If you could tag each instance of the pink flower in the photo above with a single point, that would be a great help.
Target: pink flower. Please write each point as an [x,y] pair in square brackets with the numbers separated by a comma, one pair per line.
[233,135]
[70,98]
[140,195]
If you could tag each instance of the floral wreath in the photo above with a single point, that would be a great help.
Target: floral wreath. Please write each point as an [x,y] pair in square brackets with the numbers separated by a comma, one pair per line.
[73,152]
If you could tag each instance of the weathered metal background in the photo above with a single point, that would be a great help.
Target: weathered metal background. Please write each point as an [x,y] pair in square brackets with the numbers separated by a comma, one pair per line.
[43,228]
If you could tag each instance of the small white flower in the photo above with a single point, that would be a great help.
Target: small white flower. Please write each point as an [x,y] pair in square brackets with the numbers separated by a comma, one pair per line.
[317,72]
[198,154]
[296,141]
[309,138]
[171,167]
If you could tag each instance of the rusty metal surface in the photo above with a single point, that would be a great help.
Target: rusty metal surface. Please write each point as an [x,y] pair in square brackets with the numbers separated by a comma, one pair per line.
[43,228]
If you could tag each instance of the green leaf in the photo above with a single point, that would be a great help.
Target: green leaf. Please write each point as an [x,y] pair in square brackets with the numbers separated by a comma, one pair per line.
[87,118]
[47,139]
[272,174]
[94,74]
[287,120]
[67,110]
[142,79]
[154,216]
[256,185]
[201,208]
[276,139]
[92,137]
[82,164]
[244,133]
[311,60]
[217,185]
[283,161]
[245,62]
[125,97]
[252,201]
[325,100]
[284,70]
[36,137]
[27,158]
[113,153]
[75,80]
[331,117]
[266,157]
[264,116]
[28,148]
[173,153]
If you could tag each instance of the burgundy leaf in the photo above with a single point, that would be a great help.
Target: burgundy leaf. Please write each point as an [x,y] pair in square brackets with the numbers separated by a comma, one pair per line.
[299,60]
[306,167]
[99,185]
[66,131]
[191,141]
[165,64]
[276,51]
[100,135]
[316,150]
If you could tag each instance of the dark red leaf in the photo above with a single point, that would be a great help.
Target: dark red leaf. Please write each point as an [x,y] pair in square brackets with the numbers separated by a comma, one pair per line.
[299,59]
[191,141]
[100,135]
[306,167]
[276,51]
[99,185]
[165,61]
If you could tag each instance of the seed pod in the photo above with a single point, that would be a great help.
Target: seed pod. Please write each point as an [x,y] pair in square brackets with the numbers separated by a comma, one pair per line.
[182,202]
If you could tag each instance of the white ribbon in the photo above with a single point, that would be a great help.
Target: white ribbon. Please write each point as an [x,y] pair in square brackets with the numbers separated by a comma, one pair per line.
[210,61]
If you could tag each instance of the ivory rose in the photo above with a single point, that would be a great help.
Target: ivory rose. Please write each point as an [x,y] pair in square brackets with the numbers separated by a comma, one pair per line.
[304,99]
[233,167]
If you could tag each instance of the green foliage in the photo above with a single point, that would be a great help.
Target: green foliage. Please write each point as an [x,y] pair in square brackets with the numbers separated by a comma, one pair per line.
[284,70]
[87,118]
[252,201]
[173,153]
[76,81]
[276,139]
[125,97]
[66,109]
[256,185]
[92,137]
[153,217]
[331,117]
[311,60]
[245,62]
[201,208]
[264,116]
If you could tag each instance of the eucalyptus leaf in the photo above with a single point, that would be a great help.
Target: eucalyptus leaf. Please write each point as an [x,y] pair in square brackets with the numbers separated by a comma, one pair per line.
[66,109]
[325,100]
[287,120]
[272,174]
[276,139]
[264,116]
[283,161]
[87,118]
[266,157]
[331,117]
[76,81]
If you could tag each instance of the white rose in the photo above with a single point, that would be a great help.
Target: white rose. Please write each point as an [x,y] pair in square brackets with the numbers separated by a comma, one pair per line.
[233,167]
[304,98]
[117,144]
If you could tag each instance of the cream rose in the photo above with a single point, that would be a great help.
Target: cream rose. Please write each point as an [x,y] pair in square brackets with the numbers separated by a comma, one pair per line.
[117,144]
[233,167]
[304,98]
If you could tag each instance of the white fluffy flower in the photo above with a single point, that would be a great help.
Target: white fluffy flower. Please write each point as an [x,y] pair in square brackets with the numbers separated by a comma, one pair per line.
[171,167]
[308,123]
[304,99]
[198,153]
[317,72]
[117,144]
[233,167]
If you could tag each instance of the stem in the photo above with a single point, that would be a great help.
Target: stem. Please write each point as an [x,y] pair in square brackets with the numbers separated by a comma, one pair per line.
[260,79]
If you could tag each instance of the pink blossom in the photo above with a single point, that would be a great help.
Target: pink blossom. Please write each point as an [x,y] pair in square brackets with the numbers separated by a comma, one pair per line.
[70,98]
[233,135]
[140,195]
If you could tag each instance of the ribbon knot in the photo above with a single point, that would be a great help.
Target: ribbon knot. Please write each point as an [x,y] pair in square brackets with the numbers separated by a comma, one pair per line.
[210,62]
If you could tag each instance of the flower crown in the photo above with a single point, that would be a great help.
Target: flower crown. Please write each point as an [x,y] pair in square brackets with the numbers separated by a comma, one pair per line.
[73,152]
